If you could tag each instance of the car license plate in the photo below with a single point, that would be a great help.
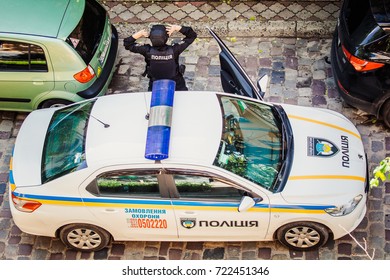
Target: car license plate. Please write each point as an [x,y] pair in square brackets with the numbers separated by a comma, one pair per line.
[102,56]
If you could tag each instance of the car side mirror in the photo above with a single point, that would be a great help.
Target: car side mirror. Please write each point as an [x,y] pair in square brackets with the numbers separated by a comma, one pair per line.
[262,84]
[246,203]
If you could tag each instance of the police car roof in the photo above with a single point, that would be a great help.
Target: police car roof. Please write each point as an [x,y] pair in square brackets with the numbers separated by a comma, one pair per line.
[196,129]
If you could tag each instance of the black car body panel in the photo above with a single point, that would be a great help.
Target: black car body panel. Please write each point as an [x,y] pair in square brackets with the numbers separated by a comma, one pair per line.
[362,31]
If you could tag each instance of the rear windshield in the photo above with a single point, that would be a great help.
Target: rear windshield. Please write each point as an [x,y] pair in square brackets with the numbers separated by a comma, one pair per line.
[86,36]
[64,149]
[360,23]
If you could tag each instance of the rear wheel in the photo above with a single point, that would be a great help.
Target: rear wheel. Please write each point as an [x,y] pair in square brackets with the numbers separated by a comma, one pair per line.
[303,235]
[386,113]
[54,103]
[84,237]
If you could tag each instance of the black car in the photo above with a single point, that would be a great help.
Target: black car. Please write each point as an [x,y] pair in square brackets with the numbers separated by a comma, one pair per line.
[361,56]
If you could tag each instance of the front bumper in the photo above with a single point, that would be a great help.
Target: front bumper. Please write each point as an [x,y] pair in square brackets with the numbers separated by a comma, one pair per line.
[350,222]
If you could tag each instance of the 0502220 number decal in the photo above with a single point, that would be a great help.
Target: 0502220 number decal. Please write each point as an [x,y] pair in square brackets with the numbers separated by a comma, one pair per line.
[151,223]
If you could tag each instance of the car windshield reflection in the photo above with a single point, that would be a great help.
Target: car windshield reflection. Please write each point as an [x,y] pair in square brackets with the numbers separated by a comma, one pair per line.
[64,149]
[252,143]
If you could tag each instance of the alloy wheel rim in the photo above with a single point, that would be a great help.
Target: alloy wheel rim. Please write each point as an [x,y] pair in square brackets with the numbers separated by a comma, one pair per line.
[84,238]
[302,237]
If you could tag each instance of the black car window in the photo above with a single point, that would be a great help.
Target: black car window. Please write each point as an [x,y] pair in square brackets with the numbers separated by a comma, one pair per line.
[17,56]
[361,24]
[129,183]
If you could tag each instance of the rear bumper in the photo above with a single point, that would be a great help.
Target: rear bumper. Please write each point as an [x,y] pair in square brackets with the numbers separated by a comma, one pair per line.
[104,79]
[341,76]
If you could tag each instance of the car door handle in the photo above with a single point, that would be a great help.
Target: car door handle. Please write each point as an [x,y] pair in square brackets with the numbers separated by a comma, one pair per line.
[37,82]
[110,210]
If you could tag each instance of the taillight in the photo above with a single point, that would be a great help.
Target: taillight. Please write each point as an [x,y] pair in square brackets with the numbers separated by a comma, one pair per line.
[361,65]
[25,205]
[86,75]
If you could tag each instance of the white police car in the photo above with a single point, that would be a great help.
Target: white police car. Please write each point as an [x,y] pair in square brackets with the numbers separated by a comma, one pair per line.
[188,166]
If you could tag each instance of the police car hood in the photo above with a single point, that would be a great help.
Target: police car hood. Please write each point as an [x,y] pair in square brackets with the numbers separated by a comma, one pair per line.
[329,162]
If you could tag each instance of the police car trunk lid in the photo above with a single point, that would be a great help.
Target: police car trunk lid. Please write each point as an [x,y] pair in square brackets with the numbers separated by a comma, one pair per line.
[27,155]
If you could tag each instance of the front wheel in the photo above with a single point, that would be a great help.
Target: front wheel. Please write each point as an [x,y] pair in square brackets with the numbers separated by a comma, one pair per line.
[84,237]
[303,235]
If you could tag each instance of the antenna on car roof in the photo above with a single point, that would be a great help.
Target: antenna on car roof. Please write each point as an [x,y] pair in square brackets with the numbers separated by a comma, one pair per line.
[106,125]
[147,108]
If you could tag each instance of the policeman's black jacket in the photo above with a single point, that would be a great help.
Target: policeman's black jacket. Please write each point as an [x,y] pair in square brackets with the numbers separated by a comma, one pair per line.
[163,62]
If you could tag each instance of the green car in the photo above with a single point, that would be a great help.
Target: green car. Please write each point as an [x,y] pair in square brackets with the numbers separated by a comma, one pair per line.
[53,53]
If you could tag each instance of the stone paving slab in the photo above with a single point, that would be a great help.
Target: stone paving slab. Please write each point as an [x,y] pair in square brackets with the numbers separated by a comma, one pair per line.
[299,75]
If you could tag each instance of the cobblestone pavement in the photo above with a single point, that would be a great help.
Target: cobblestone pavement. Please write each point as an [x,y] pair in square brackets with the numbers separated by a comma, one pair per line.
[299,75]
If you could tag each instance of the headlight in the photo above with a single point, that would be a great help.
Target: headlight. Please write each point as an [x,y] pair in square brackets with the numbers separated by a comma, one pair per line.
[346,208]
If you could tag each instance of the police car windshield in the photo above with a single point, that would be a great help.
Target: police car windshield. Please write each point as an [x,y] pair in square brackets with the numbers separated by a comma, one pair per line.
[64,149]
[251,144]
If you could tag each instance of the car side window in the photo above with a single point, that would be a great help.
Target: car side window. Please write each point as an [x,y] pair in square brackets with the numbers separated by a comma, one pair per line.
[128,184]
[24,57]
[205,187]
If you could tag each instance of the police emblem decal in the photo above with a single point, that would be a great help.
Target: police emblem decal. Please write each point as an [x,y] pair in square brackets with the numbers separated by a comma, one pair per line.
[317,147]
[188,223]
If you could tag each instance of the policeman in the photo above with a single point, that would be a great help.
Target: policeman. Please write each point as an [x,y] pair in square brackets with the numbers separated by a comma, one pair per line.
[162,60]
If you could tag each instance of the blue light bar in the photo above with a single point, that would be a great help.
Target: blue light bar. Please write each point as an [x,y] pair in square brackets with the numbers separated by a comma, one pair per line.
[160,117]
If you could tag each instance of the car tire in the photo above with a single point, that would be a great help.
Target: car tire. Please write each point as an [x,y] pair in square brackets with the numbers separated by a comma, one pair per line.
[300,236]
[386,113]
[84,237]
[54,103]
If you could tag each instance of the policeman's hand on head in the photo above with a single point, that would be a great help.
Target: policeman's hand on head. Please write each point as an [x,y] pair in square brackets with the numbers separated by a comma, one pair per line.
[172,28]
[140,34]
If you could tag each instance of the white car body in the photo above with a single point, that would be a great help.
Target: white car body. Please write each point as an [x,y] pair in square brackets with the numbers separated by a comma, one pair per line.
[237,168]
[315,182]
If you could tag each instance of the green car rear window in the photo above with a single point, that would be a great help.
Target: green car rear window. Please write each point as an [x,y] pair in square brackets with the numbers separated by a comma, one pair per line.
[64,149]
